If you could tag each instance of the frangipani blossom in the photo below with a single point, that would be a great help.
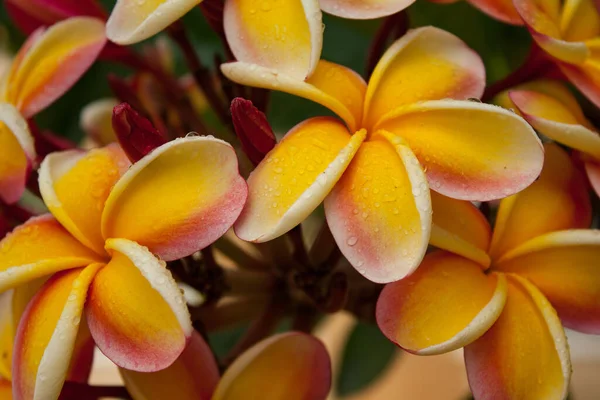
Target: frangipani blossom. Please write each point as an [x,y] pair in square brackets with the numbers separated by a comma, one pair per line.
[109,224]
[544,270]
[554,112]
[405,131]
[569,32]
[288,366]
[47,65]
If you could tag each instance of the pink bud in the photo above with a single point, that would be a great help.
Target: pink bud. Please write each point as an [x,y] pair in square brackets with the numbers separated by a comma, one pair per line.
[253,129]
[137,136]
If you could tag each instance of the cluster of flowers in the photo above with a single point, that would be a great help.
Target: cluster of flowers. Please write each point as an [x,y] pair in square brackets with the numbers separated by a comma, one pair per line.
[399,172]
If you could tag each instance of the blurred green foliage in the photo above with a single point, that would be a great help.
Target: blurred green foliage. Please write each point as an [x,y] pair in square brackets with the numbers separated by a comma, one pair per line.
[366,355]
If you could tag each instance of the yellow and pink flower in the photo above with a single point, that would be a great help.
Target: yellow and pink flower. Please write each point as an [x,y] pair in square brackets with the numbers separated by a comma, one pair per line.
[569,32]
[554,112]
[111,227]
[506,311]
[47,65]
[408,129]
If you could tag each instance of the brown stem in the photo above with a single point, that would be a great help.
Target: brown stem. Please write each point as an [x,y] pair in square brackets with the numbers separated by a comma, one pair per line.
[537,65]
[392,27]
[260,328]
[171,87]
[78,391]
[324,252]
[200,73]
[299,252]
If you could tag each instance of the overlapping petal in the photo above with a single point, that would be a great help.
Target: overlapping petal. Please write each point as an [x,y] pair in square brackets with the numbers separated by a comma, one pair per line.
[193,376]
[585,78]
[53,63]
[380,211]
[555,120]
[364,9]
[502,10]
[525,354]
[17,153]
[96,121]
[564,266]
[75,186]
[459,227]
[285,36]
[295,177]
[579,20]
[593,173]
[178,199]
[136,312]
[446,304]
[133,21]
[557,200]
[7,333]
[464,157]
[37,248]
[332,85]
[425,64]
[47,334]
[297,365]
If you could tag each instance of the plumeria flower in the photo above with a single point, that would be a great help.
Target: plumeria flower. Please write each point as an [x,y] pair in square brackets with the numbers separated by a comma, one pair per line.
[554,112]
[544,270]
[570,33]
[405,131]
[47,65]
[195,375]
[109,225]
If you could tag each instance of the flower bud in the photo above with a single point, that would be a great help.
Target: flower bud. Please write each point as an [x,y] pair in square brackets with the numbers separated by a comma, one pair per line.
[253,129]
[137,136]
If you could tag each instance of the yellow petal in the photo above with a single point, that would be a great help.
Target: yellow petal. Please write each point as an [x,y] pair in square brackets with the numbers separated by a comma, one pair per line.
[542,18]
[380,210]
[136,312]
[553,119]
[557,200]
[563,265]
[295,177]
[96,121]
[54,63]
[178,199]
[446,304]
[193,376]
[525,354]
[47,333]
[332,85]
[17,153]
[38,248]
[364,9]
[459,227]
[285,36]
[471,151]
[502,10]
[425,64]
[551,88]
[579,20]
[75,186]
[133,21]
[308,376]
[7,334]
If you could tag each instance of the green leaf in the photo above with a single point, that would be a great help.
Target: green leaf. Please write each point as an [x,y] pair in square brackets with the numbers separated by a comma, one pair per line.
[366,356]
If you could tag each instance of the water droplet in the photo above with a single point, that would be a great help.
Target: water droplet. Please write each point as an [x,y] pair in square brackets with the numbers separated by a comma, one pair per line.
[352,240]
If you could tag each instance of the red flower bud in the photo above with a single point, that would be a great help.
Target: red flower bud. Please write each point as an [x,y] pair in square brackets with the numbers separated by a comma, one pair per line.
[137,136]
[253,129]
